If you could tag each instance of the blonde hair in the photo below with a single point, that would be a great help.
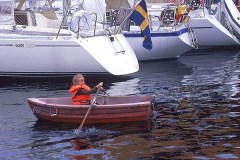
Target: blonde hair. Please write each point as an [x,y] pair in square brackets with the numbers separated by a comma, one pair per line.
[77,78]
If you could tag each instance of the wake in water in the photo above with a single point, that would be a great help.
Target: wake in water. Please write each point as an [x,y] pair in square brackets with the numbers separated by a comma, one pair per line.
[92,131]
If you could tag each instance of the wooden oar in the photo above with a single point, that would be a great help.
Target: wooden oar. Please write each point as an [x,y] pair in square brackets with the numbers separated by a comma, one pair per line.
[89,109]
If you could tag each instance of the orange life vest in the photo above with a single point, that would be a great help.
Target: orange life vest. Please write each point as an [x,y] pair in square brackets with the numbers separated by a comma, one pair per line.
[80,99]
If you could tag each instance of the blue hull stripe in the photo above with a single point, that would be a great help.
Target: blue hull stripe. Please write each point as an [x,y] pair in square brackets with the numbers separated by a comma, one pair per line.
[172,34]
[201,27]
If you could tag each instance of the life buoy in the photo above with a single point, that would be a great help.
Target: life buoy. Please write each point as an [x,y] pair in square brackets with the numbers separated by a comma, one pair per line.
[83,17]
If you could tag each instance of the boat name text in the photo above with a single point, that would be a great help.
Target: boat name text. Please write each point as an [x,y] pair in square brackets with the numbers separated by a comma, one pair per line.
[18,45]
[24,45]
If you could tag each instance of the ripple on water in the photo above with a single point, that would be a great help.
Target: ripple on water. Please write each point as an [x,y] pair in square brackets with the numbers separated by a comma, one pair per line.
[198,114]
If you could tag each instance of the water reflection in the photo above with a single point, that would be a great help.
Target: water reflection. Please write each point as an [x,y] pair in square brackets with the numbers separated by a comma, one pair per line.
[153,78]
[93,129]
[92,143]
[198,114]
[203,127]
[129,87]
[79,145]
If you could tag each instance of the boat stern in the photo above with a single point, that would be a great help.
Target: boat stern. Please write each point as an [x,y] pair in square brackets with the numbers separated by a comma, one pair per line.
[113,52]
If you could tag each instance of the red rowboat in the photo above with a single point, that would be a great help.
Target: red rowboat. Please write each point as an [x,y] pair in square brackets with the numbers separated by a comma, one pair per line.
[107,109]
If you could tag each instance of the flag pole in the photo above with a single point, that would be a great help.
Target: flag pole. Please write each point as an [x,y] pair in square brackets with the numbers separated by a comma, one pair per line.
[126,18]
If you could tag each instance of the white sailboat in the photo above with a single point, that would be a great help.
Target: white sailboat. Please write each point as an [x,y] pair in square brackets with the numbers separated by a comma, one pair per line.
[232,15]
[211,26]
[39,39]
[170,39]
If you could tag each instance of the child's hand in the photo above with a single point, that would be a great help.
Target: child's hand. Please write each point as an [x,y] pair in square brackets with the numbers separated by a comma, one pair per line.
[100,84]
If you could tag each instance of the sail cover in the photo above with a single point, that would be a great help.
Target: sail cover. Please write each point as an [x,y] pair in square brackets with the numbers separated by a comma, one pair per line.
[6,12]
[96,6]
[117,4]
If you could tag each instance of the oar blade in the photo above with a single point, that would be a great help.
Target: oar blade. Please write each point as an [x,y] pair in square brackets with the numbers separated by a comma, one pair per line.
[88,111]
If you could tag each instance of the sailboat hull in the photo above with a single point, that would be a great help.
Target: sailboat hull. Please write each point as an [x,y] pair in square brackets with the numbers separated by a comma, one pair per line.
[209,31]
[232,13]
[63,56]
[46,42]
[165,44]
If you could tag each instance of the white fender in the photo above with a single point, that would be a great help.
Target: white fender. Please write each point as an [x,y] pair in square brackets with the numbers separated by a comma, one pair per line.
[81,16]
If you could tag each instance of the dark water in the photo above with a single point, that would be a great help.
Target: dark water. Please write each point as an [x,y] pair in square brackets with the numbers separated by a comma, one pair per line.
[197,117]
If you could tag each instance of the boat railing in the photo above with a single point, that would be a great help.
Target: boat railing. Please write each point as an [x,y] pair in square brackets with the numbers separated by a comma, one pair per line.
[115,18]
[94,28]
[6,13]
[28,23]
[31,24]
[196,5]
[165,1]
[167,18]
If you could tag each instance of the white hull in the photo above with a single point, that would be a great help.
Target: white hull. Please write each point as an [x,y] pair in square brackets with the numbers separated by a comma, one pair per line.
[49,56]
[165,45]
[210,32]
[168,40]
[233,15]
[46,57]
[34,45]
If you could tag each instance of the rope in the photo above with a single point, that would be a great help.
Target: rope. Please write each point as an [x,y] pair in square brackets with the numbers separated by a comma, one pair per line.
[39,112]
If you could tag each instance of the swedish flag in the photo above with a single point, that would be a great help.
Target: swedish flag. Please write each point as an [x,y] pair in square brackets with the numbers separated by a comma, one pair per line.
[140,17]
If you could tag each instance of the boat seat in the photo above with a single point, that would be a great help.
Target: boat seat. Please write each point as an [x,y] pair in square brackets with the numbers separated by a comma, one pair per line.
[167,17]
